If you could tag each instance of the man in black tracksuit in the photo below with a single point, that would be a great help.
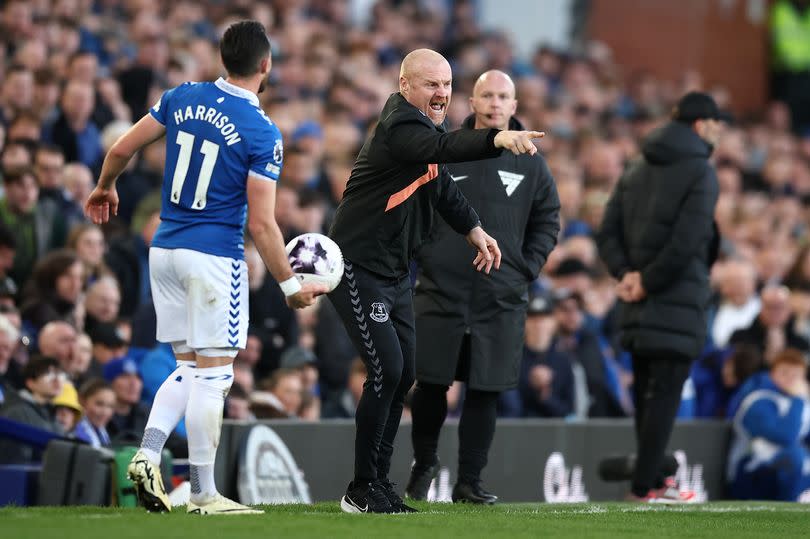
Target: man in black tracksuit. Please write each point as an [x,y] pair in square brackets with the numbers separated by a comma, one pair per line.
[657,238]
[386,212]
[470,325]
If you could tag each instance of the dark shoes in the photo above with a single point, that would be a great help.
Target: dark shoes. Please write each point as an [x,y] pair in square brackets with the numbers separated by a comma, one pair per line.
[394,500]
[472,493]
[419,482]
[365,498]
[375,497]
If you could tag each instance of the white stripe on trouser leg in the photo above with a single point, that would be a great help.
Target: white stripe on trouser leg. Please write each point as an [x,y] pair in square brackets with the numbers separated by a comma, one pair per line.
[203,423]
[167,409]
[365,332]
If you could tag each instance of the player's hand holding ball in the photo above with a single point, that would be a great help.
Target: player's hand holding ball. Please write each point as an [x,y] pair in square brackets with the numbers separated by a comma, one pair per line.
[307,295]
[317,263]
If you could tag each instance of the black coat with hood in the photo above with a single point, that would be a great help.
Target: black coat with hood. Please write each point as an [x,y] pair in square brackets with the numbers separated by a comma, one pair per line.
[516,198]
[659,221]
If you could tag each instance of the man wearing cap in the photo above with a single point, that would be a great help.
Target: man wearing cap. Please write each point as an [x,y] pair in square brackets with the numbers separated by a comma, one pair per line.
[470,325]
[129,420]
[546,375]
[658,239]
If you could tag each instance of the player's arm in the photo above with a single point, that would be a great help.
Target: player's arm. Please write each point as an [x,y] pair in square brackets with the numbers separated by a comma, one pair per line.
[261,196]
[143,133]
[609,237]
[103,201]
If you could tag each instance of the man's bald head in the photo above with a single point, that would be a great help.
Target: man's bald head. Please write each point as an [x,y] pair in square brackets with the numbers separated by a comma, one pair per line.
[56,340]
[493,101]
[416,61]
[103,299]
[493,77]
[425,81]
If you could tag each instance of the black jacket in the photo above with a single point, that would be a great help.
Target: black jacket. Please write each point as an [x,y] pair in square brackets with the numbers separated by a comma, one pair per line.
[397,181]
[659,221]
[517,201]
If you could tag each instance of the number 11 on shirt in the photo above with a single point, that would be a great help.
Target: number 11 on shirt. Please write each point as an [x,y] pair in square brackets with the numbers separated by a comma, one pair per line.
[210,150]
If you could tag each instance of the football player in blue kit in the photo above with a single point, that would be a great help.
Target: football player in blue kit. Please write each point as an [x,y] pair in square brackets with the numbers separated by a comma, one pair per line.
[223,158]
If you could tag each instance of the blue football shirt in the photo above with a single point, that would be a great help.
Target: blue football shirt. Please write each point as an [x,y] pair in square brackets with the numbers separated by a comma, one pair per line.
[216,136]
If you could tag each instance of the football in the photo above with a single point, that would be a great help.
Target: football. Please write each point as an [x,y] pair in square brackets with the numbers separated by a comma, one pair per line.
[316,259]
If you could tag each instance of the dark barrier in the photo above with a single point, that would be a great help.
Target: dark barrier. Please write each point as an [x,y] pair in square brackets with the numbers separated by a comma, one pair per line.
[531,460]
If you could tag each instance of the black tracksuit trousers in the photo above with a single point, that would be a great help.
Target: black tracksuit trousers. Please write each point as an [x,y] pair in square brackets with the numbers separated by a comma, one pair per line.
[378,315]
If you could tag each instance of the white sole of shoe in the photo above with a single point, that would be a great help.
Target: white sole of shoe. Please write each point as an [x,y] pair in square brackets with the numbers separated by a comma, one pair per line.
[348,507]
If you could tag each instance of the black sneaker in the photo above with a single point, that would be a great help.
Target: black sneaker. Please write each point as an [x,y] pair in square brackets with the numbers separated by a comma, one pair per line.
[472,493]
[393,498]
[419,482]
[365,498]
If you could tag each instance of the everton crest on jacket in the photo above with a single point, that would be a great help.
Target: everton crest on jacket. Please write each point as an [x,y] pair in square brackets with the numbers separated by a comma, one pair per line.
[516,199]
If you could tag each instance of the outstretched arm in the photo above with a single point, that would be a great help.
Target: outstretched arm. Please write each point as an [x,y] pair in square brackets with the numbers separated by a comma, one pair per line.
[103,201]
[413,141]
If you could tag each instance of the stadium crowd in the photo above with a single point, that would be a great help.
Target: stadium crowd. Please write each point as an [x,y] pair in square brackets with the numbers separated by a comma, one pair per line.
[77,346]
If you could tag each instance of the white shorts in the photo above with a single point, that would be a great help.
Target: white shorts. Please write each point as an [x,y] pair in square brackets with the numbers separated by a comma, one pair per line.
[200,299]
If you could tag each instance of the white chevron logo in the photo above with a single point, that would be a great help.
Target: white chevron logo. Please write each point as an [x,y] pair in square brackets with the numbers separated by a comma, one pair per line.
[457,178]
[510,181]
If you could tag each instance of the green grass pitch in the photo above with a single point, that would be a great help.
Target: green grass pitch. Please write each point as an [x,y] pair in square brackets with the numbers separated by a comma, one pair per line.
[735,520]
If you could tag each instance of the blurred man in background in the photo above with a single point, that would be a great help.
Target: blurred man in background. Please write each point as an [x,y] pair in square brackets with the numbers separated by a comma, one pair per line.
[43,382]
[661,252]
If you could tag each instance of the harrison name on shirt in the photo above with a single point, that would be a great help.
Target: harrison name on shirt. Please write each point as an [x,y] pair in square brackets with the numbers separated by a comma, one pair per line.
[212,116]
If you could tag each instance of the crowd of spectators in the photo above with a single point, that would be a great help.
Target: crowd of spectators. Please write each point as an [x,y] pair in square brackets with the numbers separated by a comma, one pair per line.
[77,346]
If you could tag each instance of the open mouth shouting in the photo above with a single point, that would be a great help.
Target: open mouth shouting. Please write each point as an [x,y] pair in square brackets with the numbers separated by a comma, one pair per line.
[437,110]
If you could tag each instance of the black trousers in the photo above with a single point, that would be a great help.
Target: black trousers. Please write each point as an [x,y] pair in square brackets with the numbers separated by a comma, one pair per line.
[657,384]
[378,316]
[476,427]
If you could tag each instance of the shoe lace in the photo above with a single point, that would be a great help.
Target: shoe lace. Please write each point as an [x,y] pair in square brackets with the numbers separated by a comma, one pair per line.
[389,489]
[378,495]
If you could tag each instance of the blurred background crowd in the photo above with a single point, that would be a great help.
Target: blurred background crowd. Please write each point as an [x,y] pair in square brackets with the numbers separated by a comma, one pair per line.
[77,346]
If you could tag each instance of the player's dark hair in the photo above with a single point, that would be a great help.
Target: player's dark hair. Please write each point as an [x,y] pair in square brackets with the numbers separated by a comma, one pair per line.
[243,47]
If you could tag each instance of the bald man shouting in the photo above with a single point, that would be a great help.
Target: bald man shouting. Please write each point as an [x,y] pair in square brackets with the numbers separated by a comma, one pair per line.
[397,183]
[470,326]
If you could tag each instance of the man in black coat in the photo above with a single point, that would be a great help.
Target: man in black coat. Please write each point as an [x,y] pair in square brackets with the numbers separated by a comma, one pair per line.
[387,210]
[470,325]
[656,238]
